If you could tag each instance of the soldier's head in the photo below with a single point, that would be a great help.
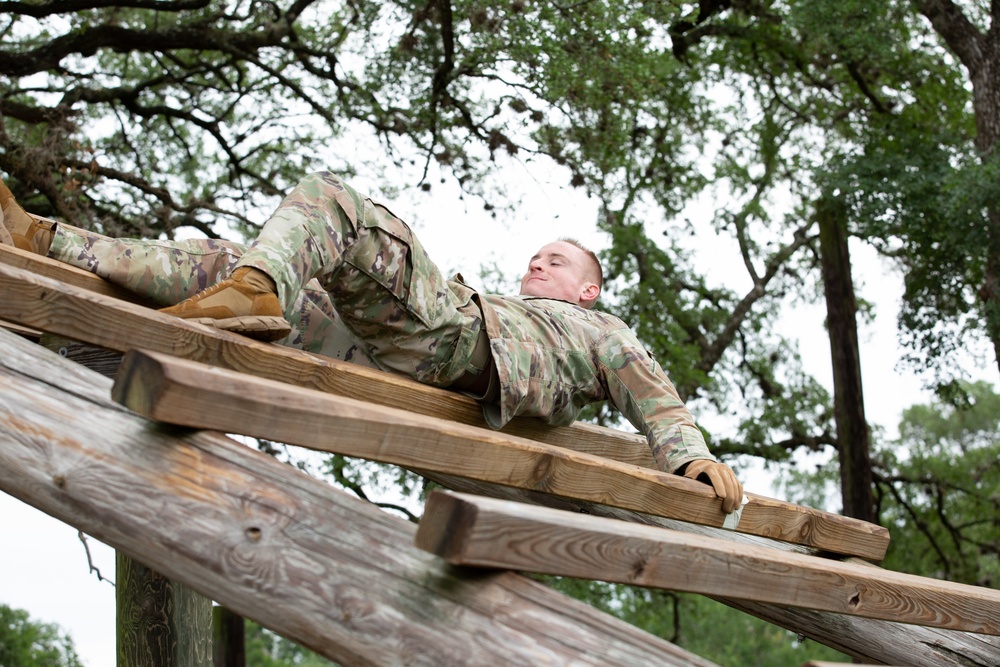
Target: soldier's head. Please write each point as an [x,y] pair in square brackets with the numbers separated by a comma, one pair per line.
[566,270]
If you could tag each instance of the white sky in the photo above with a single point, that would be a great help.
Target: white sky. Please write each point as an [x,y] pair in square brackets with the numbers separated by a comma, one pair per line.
[44,565]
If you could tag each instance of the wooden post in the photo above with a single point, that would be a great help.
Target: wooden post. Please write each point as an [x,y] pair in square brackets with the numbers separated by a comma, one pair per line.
[228,639]
[160,623]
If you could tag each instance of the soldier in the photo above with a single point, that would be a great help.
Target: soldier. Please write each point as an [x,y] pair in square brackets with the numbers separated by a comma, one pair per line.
[544,353]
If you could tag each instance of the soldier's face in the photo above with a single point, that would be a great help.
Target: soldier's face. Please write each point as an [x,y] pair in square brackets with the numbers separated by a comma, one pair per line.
[560,271]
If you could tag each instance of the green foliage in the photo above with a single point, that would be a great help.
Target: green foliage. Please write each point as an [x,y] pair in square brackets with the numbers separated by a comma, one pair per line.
[941,489]
[142,121]
[266,649]
[693,124]
[28,643]
[938,486]
[375,482]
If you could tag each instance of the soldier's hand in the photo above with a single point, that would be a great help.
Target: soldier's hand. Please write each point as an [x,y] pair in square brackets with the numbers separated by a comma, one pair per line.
[721,477]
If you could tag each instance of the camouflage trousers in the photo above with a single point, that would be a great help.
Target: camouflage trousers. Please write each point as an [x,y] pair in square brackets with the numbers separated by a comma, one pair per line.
[353,280]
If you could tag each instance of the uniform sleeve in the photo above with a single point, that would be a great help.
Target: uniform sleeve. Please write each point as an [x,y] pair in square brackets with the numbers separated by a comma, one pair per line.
[639,387]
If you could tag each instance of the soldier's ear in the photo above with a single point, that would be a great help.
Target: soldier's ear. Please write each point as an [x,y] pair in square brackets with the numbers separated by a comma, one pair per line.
[589,294]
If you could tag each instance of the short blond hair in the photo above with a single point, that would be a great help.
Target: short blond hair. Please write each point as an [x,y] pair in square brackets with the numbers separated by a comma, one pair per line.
[596,270]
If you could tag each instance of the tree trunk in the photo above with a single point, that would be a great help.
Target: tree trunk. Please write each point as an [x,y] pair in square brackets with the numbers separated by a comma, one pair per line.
[980,54]
[848,398]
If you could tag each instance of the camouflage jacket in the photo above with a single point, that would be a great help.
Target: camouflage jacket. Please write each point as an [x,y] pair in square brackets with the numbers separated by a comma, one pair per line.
[554,357]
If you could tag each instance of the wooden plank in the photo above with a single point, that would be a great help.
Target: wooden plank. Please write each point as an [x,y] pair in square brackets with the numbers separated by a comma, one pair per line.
[316,565]
[24,332]
[187,393]
[81,315]
[105,362]
[485,532]
[56,307]
[864,639]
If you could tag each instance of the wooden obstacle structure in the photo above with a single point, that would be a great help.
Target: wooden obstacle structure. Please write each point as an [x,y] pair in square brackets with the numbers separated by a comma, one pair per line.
[337,575]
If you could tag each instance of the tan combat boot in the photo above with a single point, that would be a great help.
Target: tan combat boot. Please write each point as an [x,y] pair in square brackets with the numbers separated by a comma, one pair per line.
[244,303]
[19,229]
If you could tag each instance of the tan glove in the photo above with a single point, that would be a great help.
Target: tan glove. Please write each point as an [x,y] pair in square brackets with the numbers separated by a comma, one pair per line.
[723,480]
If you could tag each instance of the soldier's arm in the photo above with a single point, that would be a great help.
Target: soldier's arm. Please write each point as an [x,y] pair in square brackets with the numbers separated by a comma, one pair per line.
[639,387]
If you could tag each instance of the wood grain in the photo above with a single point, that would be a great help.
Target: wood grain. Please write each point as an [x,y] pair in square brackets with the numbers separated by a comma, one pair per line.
[867,640]
[159,622]
[484,532]
[864,639]
[323,568]
[187,393]
[82,315]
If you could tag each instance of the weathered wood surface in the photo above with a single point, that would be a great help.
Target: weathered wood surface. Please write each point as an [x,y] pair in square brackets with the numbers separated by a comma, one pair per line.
[866,640]
[24,332]
[187,393]
[111,324]
[63,310]
[97,359]
[159,623]
[485,532]
[316,565]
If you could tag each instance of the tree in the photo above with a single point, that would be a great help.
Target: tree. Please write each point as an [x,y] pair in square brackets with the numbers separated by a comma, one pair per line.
[266,649]
[28,643]
[938,488]
[939,485]
[143,118]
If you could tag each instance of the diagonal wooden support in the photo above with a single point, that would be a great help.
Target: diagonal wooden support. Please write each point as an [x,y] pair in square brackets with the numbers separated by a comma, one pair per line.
[485,532]
[191,394]
[867,640]
[83,315]
[63,300]
[321,567]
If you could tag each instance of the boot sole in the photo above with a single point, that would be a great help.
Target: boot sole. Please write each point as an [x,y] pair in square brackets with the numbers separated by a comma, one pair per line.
[259,327]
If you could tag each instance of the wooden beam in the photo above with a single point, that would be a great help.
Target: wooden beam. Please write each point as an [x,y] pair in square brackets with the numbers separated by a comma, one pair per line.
[187,393]
[485,532]
[866,640]
[41,291]
[82,315]
[105,362]
[325,569]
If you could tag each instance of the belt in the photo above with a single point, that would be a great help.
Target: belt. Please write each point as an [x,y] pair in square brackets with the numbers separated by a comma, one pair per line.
[480,380]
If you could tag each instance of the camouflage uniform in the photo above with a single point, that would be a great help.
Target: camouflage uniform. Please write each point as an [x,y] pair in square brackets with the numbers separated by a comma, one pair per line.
[347,268]
[166,272]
